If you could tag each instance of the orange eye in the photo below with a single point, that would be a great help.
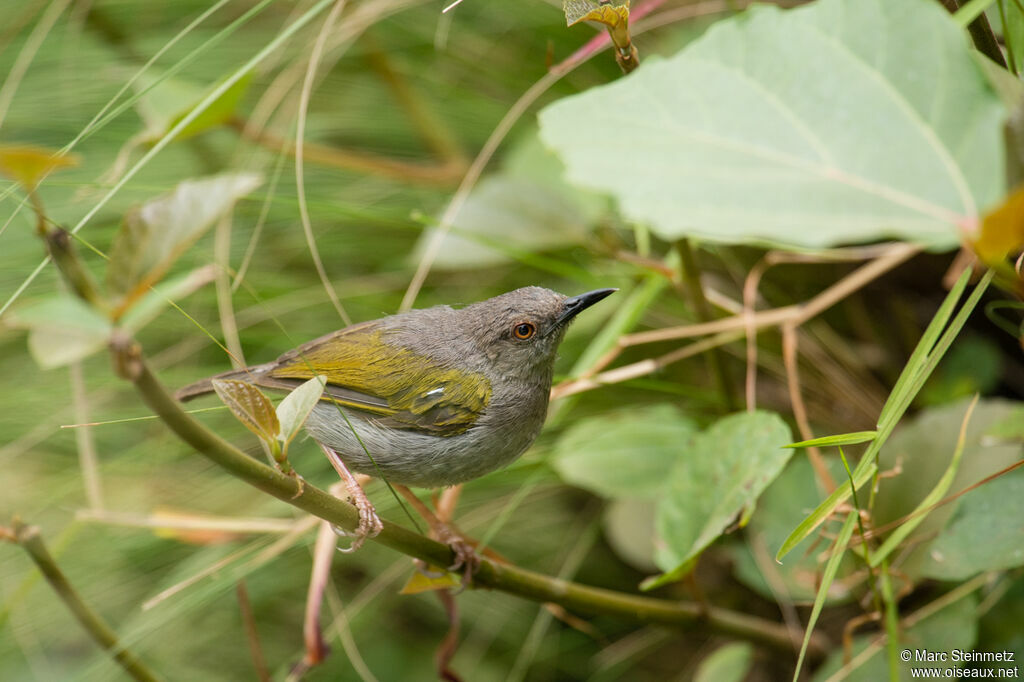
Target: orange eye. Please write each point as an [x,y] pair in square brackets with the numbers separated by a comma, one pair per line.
[523,331]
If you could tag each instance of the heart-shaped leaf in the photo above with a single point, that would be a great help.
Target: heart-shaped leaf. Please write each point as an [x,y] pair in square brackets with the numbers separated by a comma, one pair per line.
[831,123]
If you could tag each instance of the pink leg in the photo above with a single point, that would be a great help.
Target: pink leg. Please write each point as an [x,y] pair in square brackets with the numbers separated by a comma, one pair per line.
[369,522]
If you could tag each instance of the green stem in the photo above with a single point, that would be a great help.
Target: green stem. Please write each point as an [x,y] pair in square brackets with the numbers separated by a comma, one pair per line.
[71,268]
[499,576]
[691,278]
[32,542]
[971,15]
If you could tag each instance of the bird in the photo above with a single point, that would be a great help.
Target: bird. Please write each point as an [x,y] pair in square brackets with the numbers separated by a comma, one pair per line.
[431,397]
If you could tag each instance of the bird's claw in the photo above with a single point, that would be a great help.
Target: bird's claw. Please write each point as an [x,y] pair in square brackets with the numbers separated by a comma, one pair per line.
[466,557]
[369,526]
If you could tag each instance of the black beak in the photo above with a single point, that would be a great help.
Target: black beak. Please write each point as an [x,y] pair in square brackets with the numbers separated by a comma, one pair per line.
[577,304]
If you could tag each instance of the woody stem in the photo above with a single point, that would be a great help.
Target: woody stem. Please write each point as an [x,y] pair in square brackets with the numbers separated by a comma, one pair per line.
[507,578]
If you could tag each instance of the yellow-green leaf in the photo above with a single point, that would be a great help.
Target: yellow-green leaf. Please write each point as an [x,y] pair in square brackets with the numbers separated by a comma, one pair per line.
[1002,230]
[28,164]
[171,100]
[420,581]
[252,408]
[611,15]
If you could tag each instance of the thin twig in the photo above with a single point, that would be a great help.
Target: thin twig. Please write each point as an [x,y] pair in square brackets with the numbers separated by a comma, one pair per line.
[789,357]
[252,634]
[300,184]
[88,460]
[794,315]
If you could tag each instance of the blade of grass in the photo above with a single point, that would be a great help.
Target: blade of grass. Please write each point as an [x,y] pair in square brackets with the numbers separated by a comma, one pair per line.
[971,11]
[831,568]
[892,625]
[940,489]
[926,343]
[922,362]
[832,441]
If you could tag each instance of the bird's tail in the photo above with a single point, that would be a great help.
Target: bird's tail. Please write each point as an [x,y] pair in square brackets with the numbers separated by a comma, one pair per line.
[204,386]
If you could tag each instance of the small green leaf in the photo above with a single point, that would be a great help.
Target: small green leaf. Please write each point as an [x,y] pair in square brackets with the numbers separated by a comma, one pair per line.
[727,468]
[728,663]
[628,453]
[62,329]
[155,234]
[832,441]
[250,406]
[293,411]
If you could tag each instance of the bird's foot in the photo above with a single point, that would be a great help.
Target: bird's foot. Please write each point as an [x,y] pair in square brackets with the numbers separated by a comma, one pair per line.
[369,525]
[466,557]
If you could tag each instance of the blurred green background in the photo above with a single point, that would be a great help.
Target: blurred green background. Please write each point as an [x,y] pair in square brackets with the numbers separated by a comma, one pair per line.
[410,95]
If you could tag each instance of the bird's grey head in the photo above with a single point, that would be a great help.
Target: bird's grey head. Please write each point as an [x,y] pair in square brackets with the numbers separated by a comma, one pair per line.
[519,332]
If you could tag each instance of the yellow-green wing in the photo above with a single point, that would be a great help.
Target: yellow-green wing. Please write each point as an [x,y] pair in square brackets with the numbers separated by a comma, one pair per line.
[403,389]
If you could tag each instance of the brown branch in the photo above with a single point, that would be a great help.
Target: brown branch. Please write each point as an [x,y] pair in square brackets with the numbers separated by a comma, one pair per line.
[443,174]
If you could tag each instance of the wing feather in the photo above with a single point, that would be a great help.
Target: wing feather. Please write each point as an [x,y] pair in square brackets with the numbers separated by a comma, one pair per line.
[399,387]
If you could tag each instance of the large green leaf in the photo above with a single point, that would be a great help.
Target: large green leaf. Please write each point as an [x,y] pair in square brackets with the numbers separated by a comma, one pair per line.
[712,484]
[985,535]
[627,454]
[840,121]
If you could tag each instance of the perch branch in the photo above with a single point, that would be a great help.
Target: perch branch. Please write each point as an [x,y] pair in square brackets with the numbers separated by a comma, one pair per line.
[129,364]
